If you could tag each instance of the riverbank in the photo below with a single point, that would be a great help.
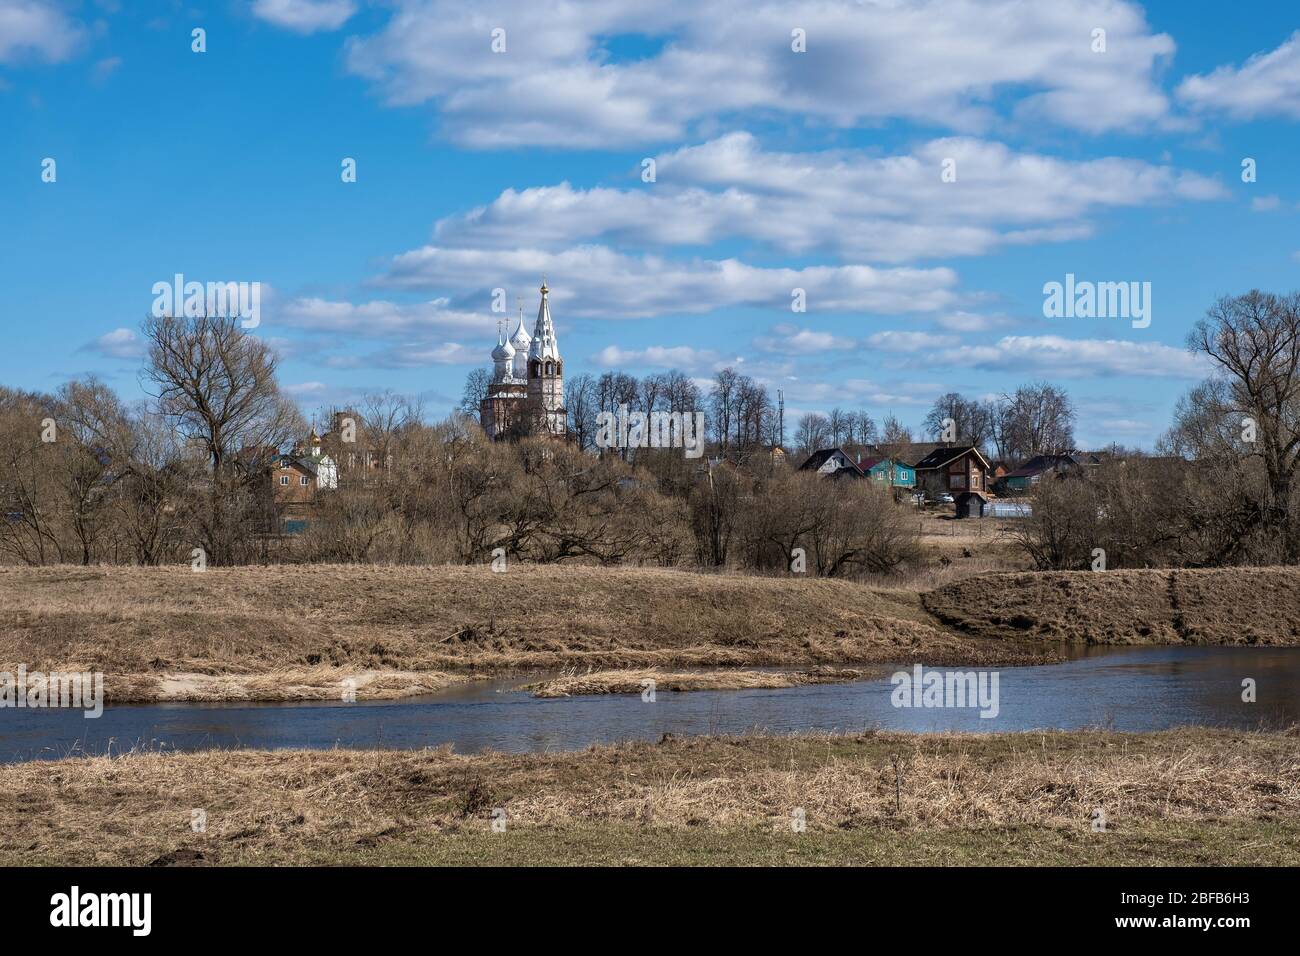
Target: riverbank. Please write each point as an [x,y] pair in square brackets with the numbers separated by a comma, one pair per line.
[638,681]
[1190,797]
[1209,606]
[301,632]
[316,632]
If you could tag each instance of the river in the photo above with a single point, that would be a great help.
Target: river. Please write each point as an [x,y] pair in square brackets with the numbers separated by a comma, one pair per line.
[1133,689]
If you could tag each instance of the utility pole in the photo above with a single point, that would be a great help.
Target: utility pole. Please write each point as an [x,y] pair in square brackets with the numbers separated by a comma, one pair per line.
[780,416]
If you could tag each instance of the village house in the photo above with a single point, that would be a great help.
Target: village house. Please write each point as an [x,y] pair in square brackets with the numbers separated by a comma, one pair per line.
[954,470]
[296,477]
[889,472]
[832,463]
[884,472]
[907,453]
[1024,478]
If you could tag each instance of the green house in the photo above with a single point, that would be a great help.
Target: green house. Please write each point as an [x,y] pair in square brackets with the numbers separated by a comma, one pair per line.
[881,469]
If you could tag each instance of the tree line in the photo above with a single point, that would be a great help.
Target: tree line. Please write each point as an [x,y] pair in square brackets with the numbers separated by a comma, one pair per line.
[86,477]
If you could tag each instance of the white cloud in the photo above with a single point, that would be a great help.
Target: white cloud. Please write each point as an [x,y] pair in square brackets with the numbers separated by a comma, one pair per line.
[961,321]
[909,341]
[1267,84]
[379,317]
[681,357]
[941,62]
[305,16]
[790,340]
[105,68]
[1124,426]
[416,353]
[420,333]
[1266,204]
[120,344]
[38,30]
[852,392]
[848,202]
[1075,358]
[305,390]
[602,283]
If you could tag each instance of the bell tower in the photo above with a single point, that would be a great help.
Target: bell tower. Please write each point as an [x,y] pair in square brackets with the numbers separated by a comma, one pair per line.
[546,372]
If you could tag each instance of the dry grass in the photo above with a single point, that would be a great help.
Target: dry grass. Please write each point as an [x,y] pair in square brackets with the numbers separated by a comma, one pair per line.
[1192,795]
[146,627]
[1204,606]
[312,683]
[574,684]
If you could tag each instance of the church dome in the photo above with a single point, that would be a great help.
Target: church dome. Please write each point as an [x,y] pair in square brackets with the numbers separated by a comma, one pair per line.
[521,339]
[503,351]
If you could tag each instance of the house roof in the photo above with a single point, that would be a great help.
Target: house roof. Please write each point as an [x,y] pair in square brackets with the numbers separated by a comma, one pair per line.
[822,455]
[1041,463]
[945,454]
[306,464]
[905,453]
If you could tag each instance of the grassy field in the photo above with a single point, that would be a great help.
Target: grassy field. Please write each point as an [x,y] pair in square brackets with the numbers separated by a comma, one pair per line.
[1203,606]
[1179,797]
[296,632]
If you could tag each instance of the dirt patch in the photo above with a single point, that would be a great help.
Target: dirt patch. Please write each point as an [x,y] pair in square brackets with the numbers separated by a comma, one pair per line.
[1202,606]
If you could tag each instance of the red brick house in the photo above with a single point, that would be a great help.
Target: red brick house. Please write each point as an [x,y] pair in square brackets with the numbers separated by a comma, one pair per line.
[296,477]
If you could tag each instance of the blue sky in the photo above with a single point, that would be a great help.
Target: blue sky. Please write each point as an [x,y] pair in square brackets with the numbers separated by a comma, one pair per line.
[818,170]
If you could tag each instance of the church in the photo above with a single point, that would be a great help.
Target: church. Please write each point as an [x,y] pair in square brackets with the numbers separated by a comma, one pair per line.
[526,395]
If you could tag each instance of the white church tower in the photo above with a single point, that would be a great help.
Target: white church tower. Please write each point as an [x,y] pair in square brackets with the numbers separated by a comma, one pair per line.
[520,342]
[503,360]
[546,372]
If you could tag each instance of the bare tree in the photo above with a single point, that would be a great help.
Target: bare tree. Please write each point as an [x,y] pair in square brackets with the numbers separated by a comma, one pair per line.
[1037,420]
[580,403]
[862,429]
[683,395]
[723,397]
[1253,341]
[837,422]
[216,385]
[31,527]
[476,389]
[90,462]
[971,420]
[812,432]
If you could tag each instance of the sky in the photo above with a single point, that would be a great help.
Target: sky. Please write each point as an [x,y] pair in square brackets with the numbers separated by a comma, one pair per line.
[920,170]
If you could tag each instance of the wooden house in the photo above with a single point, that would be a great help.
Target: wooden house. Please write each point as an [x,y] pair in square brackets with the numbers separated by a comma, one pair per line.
[953,469]
[888,472]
